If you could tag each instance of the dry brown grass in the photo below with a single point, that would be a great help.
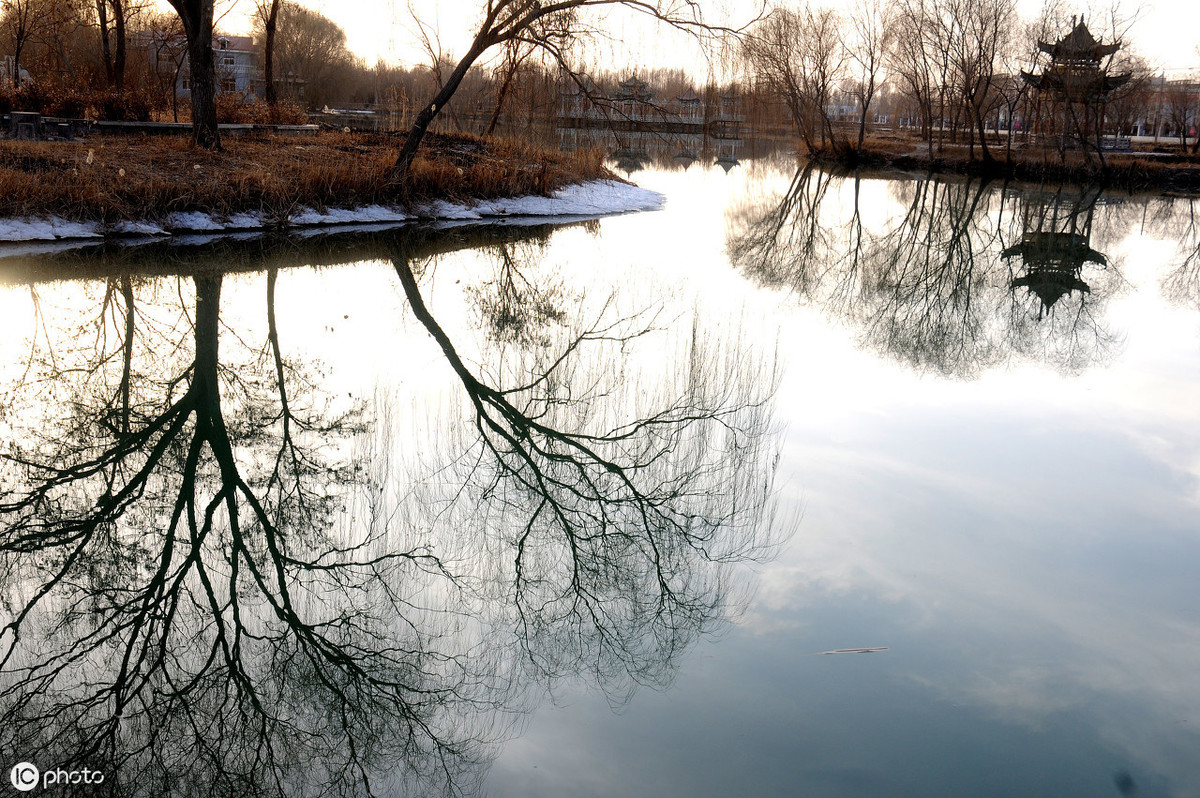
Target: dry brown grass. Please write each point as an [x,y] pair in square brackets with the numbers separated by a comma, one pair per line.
[1033,163]
[133,178]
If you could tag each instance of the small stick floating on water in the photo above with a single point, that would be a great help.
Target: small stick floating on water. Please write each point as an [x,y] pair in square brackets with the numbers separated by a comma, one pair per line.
[852,651]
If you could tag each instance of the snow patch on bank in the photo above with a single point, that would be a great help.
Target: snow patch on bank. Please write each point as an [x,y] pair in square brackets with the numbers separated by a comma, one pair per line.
[591,199]
[46,229]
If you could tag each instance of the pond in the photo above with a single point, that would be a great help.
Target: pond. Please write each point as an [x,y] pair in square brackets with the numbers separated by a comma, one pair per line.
[808,484]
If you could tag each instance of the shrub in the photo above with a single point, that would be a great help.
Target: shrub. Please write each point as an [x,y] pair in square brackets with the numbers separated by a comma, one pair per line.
[236,108]
[126,106]
[67,104]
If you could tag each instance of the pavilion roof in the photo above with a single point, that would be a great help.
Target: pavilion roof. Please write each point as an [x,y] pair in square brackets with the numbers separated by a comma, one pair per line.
[1078,85]
[1055,251]
[1079,45]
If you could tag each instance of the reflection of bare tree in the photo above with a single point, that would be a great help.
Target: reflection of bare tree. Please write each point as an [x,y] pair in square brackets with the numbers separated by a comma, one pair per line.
[207,591]
[788,243]
[1182,284]
[928,280]
[183,614]
[515,308]
[928,286]
[621,531]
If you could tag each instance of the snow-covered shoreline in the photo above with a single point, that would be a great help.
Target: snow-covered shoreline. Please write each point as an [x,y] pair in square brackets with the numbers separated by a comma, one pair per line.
[592,199]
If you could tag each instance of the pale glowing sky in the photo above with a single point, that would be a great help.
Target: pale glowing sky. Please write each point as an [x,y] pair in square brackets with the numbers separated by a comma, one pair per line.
[1167,32]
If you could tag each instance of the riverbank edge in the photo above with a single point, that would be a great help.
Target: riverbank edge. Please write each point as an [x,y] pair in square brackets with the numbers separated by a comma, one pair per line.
[591,198]
[1171,175]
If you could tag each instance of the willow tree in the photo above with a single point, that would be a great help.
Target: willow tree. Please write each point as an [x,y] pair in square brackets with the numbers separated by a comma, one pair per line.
[798,54]
[551,27]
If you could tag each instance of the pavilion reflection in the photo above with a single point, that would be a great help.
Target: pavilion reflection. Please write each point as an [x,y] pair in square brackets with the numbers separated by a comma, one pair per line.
[221,578]
[930,286]
[1055,245]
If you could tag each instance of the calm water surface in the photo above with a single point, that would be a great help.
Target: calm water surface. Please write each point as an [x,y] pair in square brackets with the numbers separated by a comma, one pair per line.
[581,510]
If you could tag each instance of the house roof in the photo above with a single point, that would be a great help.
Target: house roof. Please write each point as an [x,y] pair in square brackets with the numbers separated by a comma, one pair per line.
[234,42]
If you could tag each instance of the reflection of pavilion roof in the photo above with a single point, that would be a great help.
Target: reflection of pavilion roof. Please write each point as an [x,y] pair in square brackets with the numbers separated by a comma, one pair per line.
[631,160]
[1053,262]
[726,161]
[1055,250]
[1051,284]
[1079,45]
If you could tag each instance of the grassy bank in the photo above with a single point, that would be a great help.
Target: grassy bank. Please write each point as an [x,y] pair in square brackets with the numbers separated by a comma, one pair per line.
[1133,171]
[110,179]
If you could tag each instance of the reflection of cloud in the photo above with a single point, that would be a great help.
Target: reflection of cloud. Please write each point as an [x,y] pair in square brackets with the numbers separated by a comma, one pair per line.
[1034,563]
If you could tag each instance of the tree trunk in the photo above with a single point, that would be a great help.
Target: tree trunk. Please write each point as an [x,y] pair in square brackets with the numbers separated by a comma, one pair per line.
[269,52]
[105,46]
[18,45]
[197,19]
[204,90]
[408,151]
[862,121]
[119,56]
[502,95]
[983,146]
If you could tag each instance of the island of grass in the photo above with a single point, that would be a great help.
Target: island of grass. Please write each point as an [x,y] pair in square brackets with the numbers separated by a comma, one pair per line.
[123,185]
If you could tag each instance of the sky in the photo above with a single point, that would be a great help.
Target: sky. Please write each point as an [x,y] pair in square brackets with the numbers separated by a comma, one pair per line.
[1167,32]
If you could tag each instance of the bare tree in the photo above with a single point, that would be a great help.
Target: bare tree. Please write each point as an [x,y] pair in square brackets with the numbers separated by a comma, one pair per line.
[308,49]
[113,40]
[516,54]
[24,21]
[44,36]
[872,29]
[1182,108]
[550,26]
[979,33]
[799,55]
[920,59]
[166,54]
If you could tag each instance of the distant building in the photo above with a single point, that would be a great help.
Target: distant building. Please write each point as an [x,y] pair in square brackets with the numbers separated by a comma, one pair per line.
[237,64]
[1172,108]
[634,107]
[7,65]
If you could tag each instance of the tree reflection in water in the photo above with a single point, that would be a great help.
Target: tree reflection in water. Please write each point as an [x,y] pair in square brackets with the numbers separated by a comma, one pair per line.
[1180,219]
[218,581]
[929,286]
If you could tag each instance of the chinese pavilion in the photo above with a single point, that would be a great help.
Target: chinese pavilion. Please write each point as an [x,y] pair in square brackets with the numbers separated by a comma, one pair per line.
[1075,86]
